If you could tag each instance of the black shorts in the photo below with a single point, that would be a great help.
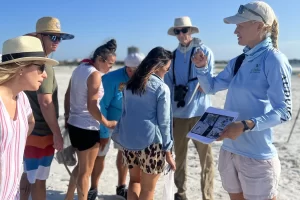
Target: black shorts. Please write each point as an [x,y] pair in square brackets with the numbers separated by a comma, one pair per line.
[83,139]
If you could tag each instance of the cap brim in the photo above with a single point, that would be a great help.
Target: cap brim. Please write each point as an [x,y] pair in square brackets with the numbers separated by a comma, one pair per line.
[194,30]
[236,19]
[64,36]
[48,61]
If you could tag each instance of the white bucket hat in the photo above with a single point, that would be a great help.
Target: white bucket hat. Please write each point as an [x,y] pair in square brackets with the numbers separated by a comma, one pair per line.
[182,22]
[253,11]
[134,59]
[50,25]
[24,48]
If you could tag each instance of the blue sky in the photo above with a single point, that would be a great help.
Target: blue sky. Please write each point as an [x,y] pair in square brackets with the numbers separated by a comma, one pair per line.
[142,23]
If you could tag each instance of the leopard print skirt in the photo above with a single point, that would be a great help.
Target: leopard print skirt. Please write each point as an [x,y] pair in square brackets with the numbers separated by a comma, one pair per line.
[151,160]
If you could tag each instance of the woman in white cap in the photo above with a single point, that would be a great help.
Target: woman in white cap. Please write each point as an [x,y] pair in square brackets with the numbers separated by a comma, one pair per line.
[22,68]
[260,91]
[111,108]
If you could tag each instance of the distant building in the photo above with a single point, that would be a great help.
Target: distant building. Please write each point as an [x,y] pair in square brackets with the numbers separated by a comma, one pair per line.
[133,49]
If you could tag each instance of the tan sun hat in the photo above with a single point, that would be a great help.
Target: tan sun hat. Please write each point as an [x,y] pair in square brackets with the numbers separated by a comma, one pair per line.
[50,25]
[182,22]
[253,11]
[24,48]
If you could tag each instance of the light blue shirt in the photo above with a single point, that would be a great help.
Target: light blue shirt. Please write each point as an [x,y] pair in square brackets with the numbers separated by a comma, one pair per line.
[200,101]
[146,119]
[260,90]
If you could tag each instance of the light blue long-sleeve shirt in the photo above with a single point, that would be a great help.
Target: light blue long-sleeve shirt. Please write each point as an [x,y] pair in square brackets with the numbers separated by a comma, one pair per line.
[111,102]
[261,90]
[146,119]
[200,101]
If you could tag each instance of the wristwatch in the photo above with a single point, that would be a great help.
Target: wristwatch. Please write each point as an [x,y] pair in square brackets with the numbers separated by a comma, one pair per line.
[246,127]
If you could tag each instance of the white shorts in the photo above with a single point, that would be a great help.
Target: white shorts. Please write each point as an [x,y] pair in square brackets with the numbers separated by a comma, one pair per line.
[106,148]
[256,179]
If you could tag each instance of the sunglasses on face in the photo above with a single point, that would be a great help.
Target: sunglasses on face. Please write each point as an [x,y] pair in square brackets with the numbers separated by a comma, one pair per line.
[41,68]
[183,30]
[54,38]
[243,8]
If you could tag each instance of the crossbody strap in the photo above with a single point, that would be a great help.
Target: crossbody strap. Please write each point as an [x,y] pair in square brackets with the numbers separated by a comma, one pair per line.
[190,66]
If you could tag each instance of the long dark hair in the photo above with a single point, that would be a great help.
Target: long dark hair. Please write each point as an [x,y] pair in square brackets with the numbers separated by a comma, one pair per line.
[156,58]
[105,50]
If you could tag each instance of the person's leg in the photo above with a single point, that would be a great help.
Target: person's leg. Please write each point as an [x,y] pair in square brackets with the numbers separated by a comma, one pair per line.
[38,190]
[207,169]
[134,188]
[131,160]
[180,146]
[236,196]
[207,165]
[121,189]
[72,183]
[148,183]
[152,163]
[97,171]
[122,169]
[86,160]
[25,187]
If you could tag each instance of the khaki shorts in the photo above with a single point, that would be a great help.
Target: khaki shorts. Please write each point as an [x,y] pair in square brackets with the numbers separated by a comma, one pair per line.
[256,179]
[106,148]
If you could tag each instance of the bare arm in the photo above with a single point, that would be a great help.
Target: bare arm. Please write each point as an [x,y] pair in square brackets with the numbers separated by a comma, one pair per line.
[31,123]
[67,103]
[49,113]
[93,83]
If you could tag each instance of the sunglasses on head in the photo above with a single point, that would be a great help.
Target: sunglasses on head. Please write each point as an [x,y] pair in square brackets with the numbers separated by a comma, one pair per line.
[40,67]
[242,9]
[54,38]
[183,30]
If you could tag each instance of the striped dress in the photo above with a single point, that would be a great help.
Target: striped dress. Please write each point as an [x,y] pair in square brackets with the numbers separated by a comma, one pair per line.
[13,134]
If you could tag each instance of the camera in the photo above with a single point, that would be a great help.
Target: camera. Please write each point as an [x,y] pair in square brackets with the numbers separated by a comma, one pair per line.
[179,94]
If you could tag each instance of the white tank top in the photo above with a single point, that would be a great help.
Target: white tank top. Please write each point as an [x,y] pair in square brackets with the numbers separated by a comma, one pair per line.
[79,115]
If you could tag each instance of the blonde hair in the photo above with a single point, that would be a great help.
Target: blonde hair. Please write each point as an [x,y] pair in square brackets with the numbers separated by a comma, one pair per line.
[9,71]
[274,31]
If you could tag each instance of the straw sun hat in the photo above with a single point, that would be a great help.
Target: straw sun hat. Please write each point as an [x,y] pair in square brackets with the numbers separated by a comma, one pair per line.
[50,25]
[24,48]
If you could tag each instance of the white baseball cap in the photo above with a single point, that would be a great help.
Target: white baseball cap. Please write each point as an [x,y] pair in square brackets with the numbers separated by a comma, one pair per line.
[253,11]
[134,59]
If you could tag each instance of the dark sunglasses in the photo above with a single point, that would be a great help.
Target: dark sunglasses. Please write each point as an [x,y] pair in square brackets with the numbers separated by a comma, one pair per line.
[54,38]
[242,9]
[183,30]
[41,67]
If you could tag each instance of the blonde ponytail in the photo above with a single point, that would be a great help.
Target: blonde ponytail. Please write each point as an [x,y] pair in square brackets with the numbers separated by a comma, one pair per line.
[274,33]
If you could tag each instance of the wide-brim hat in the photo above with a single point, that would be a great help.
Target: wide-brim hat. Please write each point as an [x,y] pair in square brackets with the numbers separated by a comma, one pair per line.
[182,22]
[24,48]
[50,25]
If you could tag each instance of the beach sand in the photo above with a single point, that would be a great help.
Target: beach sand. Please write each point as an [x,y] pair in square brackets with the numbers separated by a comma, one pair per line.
[289,186]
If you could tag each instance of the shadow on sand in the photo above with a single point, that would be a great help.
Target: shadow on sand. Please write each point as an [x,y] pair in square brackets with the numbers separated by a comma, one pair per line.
[59,195]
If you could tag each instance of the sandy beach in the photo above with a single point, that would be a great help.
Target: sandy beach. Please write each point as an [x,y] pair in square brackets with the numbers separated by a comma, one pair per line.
[289,186]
